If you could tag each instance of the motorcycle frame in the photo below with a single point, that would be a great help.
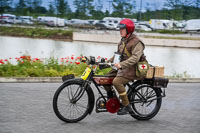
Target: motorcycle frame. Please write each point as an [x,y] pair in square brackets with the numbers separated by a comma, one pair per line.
[131,87]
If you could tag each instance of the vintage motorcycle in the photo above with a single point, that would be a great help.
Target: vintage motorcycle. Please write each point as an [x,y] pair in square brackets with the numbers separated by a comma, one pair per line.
[75,98]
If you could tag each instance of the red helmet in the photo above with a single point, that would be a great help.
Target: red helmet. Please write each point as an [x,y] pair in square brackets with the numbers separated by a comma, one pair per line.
[128,24]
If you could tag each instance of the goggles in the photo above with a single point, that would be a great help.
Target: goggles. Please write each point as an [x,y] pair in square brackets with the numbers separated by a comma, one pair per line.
[121,26]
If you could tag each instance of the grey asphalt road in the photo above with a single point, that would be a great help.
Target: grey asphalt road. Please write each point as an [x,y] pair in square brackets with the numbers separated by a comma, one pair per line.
[27,108]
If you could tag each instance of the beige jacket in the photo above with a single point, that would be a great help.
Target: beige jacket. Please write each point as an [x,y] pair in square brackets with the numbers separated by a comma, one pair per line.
[135,47]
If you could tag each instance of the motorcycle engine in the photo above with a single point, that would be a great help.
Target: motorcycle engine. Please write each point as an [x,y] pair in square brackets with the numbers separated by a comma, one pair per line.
[113,105]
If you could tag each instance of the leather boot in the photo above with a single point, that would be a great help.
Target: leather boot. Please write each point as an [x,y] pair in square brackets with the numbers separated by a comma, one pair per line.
[125,110]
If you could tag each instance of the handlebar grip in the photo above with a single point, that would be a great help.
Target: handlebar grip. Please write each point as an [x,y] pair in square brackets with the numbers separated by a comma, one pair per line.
[83,59]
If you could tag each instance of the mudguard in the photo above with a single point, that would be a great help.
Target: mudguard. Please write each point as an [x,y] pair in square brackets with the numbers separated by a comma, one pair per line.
[89,89]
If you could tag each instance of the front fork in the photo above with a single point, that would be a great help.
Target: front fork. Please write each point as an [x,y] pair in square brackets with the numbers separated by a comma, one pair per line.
[80,91]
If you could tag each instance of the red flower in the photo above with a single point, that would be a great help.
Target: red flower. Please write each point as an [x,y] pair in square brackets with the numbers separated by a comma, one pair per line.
[22,62]
[106,58]
[67,61]
[5,60]
[10,58]
[77,63]
[36,59]
[72,58]
[1,61]
[71,62]
[78,58]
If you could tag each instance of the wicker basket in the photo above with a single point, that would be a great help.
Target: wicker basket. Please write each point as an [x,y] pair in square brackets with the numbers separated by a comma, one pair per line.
[159,72]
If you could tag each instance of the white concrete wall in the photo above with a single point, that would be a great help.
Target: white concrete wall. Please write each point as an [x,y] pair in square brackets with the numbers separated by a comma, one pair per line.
[115,38]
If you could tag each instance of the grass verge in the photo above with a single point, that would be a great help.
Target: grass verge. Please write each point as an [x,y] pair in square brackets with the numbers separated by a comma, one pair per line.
[36,33]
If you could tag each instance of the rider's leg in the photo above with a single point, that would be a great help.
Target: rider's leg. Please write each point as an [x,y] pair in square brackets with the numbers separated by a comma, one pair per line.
[109,88]
[109,91]
[119,83]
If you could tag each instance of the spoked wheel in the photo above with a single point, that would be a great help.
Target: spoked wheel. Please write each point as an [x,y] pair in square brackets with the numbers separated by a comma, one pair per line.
[146,102]
[71,102]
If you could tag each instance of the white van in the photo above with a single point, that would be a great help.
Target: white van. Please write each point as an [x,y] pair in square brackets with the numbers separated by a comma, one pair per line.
[160,24]
[193,25]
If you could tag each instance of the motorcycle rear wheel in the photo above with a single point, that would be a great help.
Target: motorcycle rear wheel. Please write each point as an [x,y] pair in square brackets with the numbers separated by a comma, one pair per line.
[146,102]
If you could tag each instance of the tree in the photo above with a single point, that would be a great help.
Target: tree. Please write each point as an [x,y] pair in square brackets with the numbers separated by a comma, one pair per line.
[40,9]
[107,13]
[197,3]
[68,10]
[99,5]
[4,5]
[84,8]
[134,6]
[34,6]
[51,10]
[175,5]
[62,8]
[21,7]
[121,8]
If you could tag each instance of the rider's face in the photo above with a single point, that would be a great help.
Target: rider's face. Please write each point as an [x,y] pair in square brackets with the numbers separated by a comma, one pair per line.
[123,32]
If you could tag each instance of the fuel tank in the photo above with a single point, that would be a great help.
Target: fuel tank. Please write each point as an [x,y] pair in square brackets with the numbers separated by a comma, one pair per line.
[103,80]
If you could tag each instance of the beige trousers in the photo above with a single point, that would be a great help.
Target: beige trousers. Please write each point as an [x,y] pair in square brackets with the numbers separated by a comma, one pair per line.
[119,83]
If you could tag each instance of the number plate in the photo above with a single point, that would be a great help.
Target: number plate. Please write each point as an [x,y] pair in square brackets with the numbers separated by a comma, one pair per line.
[86,73]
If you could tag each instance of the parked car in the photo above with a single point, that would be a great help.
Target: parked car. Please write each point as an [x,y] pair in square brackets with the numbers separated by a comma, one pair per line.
[27,21]
[56,22]
[51,23]
[102,24]
[18,20]
[142,27]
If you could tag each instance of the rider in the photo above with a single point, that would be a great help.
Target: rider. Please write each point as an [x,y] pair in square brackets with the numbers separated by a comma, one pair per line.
[130,49]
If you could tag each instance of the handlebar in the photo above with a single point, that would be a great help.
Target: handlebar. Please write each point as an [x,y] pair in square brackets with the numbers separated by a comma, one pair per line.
[110,64]
[92,61]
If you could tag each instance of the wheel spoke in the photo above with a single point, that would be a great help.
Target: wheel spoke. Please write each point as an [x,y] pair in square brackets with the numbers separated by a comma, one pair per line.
[68,106]
[144,100]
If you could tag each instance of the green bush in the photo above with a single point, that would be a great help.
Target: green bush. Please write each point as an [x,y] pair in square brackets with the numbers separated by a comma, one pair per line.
[170,31]
[27,67]
[36,32]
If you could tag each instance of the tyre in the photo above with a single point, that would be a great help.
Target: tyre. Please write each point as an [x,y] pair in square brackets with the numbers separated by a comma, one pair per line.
[71,103]
[146,102]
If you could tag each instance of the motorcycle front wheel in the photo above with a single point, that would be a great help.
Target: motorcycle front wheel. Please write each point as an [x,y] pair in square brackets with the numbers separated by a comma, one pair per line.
[146,102]
[71,102]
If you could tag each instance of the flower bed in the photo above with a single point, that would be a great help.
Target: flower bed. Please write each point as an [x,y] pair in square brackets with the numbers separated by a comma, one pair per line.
[35,67]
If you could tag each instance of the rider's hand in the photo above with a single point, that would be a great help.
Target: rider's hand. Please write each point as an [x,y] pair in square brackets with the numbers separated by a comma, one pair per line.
[118,66]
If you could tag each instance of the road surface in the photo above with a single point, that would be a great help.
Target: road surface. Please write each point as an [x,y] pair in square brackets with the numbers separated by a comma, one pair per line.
[27,108]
